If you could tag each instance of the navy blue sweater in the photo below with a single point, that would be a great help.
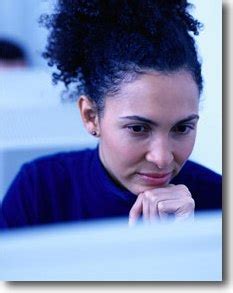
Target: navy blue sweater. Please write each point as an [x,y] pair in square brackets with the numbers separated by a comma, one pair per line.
[75,186]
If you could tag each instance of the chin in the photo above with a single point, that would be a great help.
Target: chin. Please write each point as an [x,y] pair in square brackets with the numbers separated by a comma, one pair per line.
[140,189]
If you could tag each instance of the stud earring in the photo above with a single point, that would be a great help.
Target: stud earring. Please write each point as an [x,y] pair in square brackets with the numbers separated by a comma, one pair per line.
[94,132]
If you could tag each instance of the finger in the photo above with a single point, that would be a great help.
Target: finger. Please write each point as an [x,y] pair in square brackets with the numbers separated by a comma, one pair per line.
[153,201]
[166,209]
[146,208]
[154,198]
[153,212]
[153,209]
[183,189]
[179,208]
[168,193]
[186,211]
[184,217]
[135,211]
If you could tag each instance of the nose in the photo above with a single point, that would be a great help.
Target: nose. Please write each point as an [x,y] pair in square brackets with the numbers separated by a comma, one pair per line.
[160,153]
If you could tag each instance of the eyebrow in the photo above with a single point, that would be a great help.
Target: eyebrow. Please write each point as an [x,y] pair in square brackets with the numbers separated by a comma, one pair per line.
[146,120]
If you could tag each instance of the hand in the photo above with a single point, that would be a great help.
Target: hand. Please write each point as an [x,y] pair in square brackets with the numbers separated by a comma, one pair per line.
[161,202]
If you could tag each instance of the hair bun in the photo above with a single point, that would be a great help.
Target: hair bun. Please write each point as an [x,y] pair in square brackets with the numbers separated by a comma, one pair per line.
[90,40]
[87,8]
[131,15]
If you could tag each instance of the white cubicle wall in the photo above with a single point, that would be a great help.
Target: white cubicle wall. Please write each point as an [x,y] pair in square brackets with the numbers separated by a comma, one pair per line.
[208,148]
[107,250]
[34,122]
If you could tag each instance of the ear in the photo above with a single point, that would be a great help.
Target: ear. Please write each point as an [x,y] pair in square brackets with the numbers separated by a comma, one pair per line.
[89,115]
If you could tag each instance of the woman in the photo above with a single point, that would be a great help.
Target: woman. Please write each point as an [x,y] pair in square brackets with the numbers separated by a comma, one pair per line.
[135,68]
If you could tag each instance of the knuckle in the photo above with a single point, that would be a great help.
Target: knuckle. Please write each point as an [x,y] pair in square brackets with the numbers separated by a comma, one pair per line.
[161,206]
[184,189]
[181,187]
[150,195]
[192,203]
[189,204]
[141,195]
[147,194]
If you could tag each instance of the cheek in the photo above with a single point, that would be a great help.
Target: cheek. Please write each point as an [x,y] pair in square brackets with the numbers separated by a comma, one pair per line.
[120,151]
[184,149]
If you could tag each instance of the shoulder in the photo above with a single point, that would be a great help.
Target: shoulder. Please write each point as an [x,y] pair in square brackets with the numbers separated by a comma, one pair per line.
[204,184]
[43,190]
[199,172]
[55,172]
[64,157]
[60,162]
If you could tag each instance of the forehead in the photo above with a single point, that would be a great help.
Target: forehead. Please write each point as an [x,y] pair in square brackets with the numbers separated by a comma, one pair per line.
[156,93]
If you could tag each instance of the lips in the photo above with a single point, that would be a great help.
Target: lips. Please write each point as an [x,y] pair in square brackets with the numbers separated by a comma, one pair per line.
[155,179]
[156,175]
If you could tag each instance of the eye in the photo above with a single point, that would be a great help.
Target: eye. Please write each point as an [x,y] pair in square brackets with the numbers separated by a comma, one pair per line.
[138,129]
[183,128]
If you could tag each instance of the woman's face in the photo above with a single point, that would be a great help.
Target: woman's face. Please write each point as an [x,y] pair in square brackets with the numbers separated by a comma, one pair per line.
[148,130]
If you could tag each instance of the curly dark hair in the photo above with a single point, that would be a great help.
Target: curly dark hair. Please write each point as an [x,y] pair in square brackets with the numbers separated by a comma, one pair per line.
[98,44]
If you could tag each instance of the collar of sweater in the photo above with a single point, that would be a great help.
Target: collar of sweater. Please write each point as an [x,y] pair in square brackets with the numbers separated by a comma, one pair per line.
[104,182]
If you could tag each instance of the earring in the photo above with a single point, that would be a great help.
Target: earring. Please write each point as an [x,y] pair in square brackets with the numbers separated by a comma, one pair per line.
[94,132]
